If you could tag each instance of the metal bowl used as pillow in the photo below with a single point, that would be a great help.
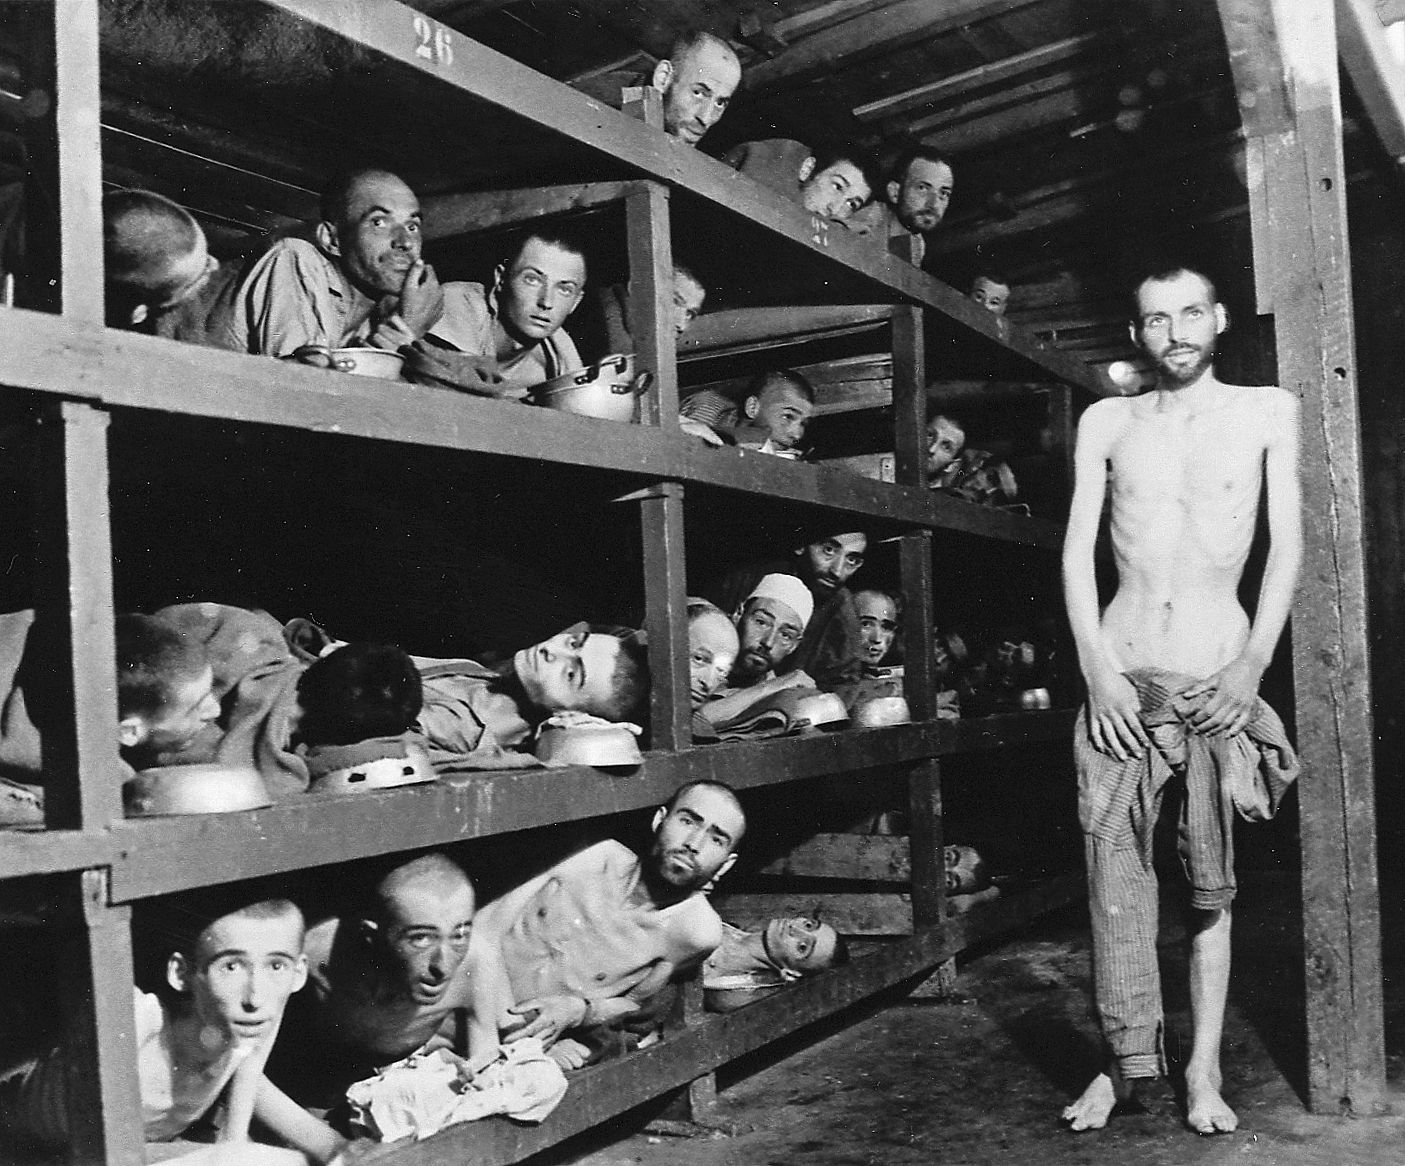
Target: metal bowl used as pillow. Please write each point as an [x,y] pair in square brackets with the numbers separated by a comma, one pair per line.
[604,746]
[819,710]
[605,389]
[381,773]
[209,788]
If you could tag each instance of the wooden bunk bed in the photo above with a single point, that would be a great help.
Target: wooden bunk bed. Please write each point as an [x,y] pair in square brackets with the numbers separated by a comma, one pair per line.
[80,372]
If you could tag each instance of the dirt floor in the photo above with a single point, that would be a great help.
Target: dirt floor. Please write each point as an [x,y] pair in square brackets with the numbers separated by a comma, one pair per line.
[980,1077]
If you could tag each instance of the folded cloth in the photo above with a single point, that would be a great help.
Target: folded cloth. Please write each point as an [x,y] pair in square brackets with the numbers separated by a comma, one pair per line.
[1248,773]
[422,1094]
[771,716]
[446,368]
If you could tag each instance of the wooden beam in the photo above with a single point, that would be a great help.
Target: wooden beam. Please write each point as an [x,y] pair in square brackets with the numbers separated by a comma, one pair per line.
[729,331]
[874,913]
[1376,73]
[882,30]
[955,87]
[874,858]
[448,215]
[1292,104]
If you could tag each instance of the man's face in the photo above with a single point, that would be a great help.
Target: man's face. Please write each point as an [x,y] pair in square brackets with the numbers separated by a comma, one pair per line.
[573,670]
[425,934]
[800,943]
[189,707]
[1177,326]
[782,412]
[830,563]
[244,970]
[878,624]
[921,199]
[991,295]
[697,95]
[965,870]
[688,297]
[540,289]
[712,648]
[835,192]
[696,837]
[944,441]
[769,632]
[380,236]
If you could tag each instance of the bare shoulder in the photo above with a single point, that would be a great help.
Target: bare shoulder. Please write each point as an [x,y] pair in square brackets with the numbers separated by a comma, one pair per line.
[1267,410]
[1104,419]
[697,927]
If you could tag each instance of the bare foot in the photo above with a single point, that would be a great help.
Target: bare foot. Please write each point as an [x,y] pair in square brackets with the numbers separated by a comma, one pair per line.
[1206,1111]
[1095,1106]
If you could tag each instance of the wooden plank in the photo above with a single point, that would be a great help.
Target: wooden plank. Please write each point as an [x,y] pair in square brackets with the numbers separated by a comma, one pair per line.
[41,352]
[896,24]
[52,852]
[160,855]
[95,985]
[83,786]
[1316,361]
[1376,72]
[718,333]
[874,913]
[956,86]
[448,215]
[874,858]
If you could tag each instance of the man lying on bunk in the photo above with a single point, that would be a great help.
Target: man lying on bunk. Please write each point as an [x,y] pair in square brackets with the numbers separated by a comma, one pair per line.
[202,1039]
[748,965]
[770,624]
[832,185]
[589,941]
[602,327]
[164,701]
[161,277]
[772,418]
[389,978]
[917,196]
[945,441]
[697,80]
[830,649]
[712,649]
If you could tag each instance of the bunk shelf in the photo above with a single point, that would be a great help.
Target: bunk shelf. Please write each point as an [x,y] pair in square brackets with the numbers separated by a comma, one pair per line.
[41,852]
[156,856]
[607,1090]
[49,354]
[521,92]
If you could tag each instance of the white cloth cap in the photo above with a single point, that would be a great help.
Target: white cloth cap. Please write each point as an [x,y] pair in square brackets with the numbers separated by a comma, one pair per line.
[790,591]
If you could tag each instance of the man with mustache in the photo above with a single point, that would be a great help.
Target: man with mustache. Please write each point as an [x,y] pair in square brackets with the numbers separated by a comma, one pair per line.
[1173,665]
[358,281]
[391,979]
[917,197]
[591,940]
[829,652]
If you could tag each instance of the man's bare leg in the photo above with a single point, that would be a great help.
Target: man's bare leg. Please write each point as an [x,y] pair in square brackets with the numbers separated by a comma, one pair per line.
[1206,1111]
[1095,1106]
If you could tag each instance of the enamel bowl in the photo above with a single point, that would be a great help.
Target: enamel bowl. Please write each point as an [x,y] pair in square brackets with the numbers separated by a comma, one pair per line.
[209,788]
[369,362]
[882,711]
[605,389]
[603,746]
[384,773]
[821,710]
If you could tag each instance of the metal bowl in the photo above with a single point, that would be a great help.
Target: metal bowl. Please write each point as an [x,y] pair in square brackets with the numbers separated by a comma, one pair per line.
[383,773]
[369,362]
[606,389]
[209,788]
[603,746]
[818,711]
[882,711]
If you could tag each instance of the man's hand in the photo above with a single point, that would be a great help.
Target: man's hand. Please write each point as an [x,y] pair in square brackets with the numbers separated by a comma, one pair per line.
[421,298]
[1232,692]
[554,1015]
[696,428]
[1114,716]
[569,1054]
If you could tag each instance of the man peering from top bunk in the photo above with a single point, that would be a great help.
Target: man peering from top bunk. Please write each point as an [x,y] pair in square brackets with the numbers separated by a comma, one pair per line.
[991,289]
[387,979]
[203,1038]
[697,80]
[359,281]
[518,321]
[164,701]
[831,184]
[592,939]
[916,199]
[160,275]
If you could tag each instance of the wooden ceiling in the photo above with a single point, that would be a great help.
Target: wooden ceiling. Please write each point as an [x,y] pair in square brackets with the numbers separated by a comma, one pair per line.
[1081,130]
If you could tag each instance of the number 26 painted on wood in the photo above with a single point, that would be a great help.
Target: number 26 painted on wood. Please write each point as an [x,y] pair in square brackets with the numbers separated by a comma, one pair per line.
[433,42]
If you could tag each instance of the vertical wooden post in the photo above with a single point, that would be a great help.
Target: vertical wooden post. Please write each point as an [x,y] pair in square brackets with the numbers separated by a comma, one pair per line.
[651,299]
[104,1106]
[666,616]
[1285,62]
[83,784]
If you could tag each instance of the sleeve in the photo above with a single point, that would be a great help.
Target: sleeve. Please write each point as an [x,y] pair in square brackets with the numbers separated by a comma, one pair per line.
[281,306]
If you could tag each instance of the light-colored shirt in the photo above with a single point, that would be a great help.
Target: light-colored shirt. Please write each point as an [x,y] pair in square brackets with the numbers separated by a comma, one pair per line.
[467,324]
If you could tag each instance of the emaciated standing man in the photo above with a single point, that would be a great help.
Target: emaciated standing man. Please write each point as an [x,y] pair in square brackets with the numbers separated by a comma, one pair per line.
[1173,668]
